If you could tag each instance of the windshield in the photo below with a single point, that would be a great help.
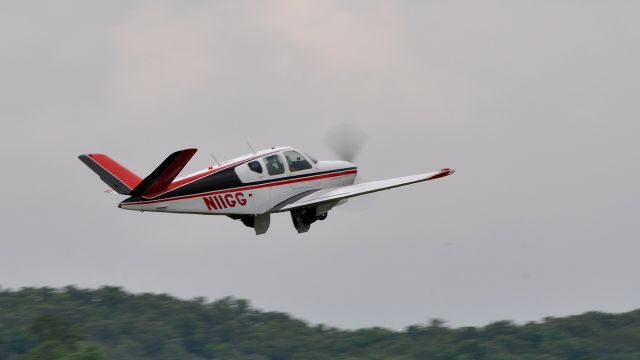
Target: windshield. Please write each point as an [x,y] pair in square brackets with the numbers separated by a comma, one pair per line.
[296,161]
[311,158]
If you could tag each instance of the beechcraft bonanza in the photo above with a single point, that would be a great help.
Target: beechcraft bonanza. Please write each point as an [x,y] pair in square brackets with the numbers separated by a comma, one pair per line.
[249,188]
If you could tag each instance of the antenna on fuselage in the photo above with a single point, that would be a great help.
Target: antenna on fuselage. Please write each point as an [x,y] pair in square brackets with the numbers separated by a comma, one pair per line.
[251,147]
[215,159]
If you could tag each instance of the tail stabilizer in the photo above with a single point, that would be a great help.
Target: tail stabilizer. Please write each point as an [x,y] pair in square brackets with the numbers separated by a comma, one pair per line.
[164,174]
[119,178]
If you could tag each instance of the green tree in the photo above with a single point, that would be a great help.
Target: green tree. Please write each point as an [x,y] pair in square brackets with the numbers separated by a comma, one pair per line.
[57,339]
[110,323]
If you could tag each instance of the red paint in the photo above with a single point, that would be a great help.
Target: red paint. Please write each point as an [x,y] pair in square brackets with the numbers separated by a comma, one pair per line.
[220,201]
[240,198]
[443,173]
[210,203]
[120,172]
[228,198]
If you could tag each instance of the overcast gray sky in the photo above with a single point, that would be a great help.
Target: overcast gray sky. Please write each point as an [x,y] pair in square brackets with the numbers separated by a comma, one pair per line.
[535,104]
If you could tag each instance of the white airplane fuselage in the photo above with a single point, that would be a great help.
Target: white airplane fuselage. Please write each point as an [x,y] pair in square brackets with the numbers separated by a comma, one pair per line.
[233,188]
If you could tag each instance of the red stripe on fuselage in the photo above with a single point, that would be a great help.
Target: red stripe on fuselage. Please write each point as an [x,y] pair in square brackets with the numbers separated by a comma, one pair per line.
[249,187]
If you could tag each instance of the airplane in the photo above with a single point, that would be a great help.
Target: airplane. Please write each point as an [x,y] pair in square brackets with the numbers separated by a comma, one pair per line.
[249,188]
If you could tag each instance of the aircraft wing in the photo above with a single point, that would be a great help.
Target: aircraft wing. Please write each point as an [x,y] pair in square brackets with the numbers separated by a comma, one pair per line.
[315,197]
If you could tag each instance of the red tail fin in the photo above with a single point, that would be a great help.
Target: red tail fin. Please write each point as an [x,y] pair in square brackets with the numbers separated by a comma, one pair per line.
[119,178]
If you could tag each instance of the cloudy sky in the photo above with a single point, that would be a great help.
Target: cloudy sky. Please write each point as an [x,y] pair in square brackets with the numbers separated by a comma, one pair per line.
[535,104]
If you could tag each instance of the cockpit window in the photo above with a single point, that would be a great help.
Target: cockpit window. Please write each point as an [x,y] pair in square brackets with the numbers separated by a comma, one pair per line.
[296,161]
[274,165]
[255,166]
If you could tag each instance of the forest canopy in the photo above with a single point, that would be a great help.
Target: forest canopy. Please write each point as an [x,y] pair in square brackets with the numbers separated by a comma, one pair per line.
[110,323]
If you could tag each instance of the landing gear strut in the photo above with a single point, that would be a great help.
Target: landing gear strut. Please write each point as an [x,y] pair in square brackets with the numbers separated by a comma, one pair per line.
[260,223]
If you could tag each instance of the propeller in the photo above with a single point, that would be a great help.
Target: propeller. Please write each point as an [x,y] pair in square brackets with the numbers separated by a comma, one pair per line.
[346,141]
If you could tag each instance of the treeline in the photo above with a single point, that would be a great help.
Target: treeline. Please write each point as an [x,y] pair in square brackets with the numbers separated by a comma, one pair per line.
[109,323]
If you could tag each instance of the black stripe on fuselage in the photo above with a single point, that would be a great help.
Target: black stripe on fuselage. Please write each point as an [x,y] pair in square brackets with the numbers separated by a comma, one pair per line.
[225,179]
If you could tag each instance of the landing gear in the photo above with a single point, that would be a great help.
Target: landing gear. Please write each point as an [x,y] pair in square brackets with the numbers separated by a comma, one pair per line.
[260,223]
[303,218]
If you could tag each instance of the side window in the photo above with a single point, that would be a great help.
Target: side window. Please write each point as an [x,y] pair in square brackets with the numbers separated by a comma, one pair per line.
[255,166]
[274,164]
[296,161]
